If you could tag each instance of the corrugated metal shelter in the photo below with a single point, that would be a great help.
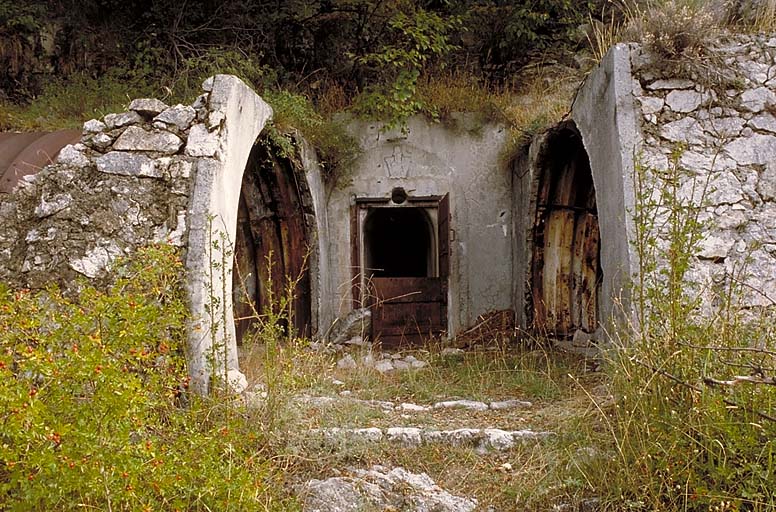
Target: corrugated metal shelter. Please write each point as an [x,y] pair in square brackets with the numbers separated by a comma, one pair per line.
[23,154]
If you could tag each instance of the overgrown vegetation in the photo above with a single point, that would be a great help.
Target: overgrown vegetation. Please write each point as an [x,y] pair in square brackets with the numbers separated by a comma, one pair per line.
[95,412]
[694,423]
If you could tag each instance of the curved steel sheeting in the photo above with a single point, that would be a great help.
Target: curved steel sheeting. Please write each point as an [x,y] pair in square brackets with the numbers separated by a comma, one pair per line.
[22,154]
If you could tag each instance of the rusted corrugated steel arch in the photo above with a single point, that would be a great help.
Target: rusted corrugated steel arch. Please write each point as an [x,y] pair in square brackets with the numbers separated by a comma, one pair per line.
[274,236]
[566,267]
[23,154]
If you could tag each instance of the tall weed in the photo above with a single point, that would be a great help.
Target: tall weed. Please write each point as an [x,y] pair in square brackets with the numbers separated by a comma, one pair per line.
[686,438]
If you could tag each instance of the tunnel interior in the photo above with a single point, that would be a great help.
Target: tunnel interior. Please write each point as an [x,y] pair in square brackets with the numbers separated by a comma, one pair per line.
[398,242]
[566,269]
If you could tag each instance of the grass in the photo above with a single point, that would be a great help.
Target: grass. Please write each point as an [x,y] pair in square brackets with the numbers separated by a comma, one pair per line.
[534,475]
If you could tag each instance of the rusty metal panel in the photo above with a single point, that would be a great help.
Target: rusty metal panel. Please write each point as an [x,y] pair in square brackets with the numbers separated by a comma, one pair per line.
[22,154]
[565,267]
[407,289]
[590,271]
[272,218]
[407,311]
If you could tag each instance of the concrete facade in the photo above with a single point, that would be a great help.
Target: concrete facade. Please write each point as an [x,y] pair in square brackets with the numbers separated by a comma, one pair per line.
[433,160]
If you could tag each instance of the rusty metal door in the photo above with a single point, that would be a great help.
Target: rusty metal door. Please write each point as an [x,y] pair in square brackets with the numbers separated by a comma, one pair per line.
[566,269]
[407,311]
[272,244]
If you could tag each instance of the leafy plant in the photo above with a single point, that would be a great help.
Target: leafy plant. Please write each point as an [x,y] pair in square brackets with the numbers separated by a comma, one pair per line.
[94,411]
[418,38]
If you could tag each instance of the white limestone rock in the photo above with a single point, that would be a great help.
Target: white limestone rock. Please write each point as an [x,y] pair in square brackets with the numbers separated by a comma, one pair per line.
[765,122]
[674,83]
[686,129]
[384,366]
[236,381]
[69,155]
[147,106]
[650,105]
[462,404]
[381,489]
[53,205]
[127,164]
[401,365]
[758,149]
[495,439]
[100,141]
[96,260]
[346,363]
[457,437]
[201,142]
[755,100]
[405,436]
[93,126]
[714,248]
[704,162]
[179,116]
[136,138]
[724,127]
[407,407]
[684,100]
[113,121]
[766,185]
[510,404]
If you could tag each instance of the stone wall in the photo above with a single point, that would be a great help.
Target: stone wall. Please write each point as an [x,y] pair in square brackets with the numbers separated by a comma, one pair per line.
[126,184]
[152,174]
[718,135]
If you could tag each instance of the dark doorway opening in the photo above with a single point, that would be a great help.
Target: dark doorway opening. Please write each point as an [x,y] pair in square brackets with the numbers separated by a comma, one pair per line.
[566,268]
[401,260]
[398,242]
[272,243]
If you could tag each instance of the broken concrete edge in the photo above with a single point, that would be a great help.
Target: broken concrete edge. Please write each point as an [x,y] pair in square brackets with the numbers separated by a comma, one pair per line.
[238,115]
[603,112]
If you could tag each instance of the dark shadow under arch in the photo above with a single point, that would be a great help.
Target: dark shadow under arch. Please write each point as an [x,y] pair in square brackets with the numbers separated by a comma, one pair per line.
[565,267]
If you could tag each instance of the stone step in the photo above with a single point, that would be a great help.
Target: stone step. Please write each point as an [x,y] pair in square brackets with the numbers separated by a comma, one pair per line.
[472,405]
[483,440]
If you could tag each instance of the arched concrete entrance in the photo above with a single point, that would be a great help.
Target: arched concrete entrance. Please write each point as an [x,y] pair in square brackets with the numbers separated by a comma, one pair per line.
[565,270]
[272,243]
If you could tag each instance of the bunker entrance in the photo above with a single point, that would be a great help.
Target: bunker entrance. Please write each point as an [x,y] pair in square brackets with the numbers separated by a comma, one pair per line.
[401,254]
[271,245]
[566,268]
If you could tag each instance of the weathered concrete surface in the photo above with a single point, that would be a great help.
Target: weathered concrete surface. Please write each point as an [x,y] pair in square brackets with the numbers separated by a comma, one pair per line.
[433,160]
[238,115]
[603,112]
[323,294]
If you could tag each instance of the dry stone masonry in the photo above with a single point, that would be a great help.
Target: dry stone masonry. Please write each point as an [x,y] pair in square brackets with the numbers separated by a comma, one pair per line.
[718,137]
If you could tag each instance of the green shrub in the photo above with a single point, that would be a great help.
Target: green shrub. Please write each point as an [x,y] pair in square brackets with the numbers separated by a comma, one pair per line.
[93,405]
[335,148]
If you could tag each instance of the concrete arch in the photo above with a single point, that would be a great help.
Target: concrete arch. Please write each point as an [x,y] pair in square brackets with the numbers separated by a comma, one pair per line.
[241,116]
